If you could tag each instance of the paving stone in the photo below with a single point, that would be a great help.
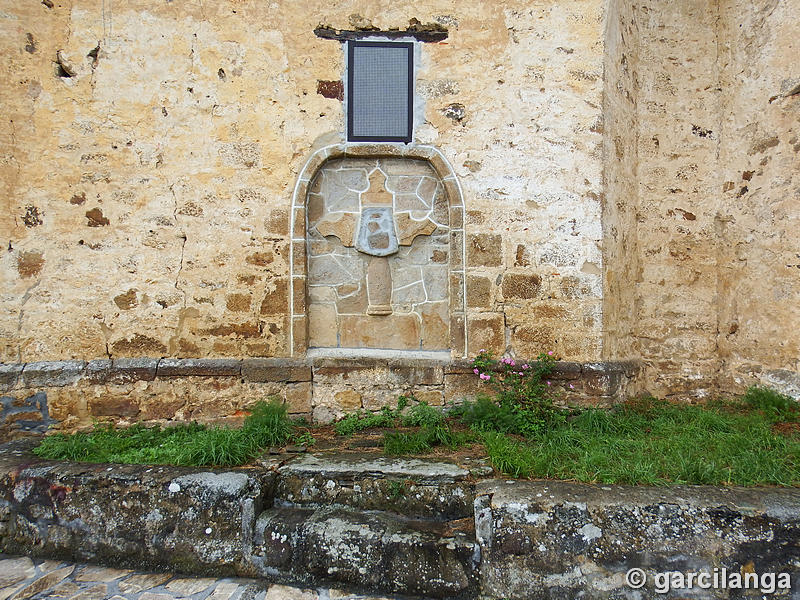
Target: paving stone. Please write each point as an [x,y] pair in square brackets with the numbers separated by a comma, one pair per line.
[43,583]
[7,592]
[151,596]
[189,585]
[50,565]
[224,591]
[284,592]
[102,574]
[143,581]
[14,570]
[253,591]
[97,592]
[65,589]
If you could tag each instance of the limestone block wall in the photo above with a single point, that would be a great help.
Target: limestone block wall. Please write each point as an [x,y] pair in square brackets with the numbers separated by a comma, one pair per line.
[759,215]
[150,152]
[151,155]
[702,161]
[620,180]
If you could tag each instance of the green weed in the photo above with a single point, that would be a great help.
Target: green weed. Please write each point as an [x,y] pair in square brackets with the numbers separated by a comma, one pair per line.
[774,405]
[191,444]
[658,443]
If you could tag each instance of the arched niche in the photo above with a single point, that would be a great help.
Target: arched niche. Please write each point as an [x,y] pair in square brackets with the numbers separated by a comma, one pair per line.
[377,242]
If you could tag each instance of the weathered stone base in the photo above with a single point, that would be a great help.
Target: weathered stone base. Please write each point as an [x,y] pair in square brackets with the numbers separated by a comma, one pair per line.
[68,395]
[361,522]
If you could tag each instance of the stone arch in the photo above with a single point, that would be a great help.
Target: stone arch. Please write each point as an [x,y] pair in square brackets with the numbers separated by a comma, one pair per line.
[298,260]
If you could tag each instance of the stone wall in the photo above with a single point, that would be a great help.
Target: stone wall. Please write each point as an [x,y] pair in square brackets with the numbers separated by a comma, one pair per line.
[66,395]
[150,152]
[701,184]
[152,155]
[758,218]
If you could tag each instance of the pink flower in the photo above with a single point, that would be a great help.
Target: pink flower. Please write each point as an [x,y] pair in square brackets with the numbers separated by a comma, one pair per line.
[548,383]
[526,366]
[485,377]
[550,353]
[475,370]
[572,387]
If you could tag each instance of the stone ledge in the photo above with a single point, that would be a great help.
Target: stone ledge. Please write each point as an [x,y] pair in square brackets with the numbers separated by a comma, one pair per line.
[582,538]
[199,367]
[561,369]
[56,373]
[537,539]
[262,370]
[9,375]
[52,498]
[127,370]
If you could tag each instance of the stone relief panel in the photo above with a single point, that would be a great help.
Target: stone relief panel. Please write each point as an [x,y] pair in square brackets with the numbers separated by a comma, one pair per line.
[378,248]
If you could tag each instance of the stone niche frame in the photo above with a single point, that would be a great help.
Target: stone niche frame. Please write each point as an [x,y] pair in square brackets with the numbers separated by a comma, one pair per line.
[298,263]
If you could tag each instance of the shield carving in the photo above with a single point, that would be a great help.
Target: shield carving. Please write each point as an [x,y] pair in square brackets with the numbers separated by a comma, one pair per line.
[376,232]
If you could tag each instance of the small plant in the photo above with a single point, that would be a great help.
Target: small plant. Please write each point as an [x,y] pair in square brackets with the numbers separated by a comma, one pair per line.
[305,439]
[397,443]
[433,431]
[774,405]
[524,393]
[508,456]
[397,489]
[362,420]
[268,424]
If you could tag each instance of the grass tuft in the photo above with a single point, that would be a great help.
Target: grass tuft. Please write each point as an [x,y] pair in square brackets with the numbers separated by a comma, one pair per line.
[189,445]
[654,442]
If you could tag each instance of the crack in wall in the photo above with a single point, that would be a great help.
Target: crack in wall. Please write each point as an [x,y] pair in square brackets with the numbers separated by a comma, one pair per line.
[25,297]
[173,341]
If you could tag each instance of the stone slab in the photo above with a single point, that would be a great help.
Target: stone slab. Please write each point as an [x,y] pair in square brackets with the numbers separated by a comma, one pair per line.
[275,370]
[370,549]
[575,539]
[129,370]
[9,375]
[58,373]
[375,466]
[98,371]
[199,367]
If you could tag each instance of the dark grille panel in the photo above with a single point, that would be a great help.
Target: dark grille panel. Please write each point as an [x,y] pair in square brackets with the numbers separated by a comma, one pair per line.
[379,91]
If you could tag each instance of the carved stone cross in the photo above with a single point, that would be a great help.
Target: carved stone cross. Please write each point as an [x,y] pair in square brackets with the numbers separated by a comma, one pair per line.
[377,232]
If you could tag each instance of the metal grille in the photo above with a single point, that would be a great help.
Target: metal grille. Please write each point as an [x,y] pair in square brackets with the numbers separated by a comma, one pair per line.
[379,91]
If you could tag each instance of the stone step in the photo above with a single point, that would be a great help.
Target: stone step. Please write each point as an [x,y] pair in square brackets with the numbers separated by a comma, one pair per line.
[368,550]
[417,489]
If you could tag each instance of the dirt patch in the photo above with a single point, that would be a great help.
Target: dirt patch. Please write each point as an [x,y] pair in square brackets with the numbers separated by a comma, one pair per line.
[371,440]
[787,429]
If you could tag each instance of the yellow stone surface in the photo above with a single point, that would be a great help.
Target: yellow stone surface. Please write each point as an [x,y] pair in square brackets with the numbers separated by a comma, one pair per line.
[641,160]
